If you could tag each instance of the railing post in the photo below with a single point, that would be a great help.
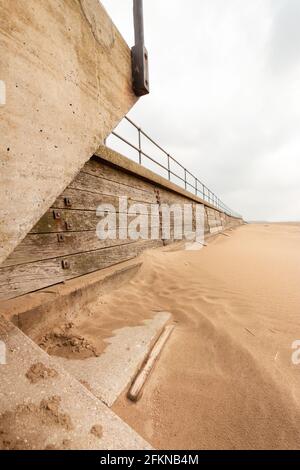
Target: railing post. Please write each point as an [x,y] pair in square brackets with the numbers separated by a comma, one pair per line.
[185,185]
[196,186]
[140,146]
[169,168]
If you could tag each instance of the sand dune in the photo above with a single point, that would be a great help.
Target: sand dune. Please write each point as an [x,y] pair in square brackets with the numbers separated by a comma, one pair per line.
[225,379]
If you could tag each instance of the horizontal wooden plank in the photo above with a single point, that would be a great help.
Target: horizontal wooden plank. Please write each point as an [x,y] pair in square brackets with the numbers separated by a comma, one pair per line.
[38,247]
[84,181]
[75,221]
[215,223]
[216,229]
[21,279]
[98,168]
[85,200]
[168,197]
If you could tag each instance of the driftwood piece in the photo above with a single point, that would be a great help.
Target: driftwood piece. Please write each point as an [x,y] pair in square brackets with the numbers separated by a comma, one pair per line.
[136,388]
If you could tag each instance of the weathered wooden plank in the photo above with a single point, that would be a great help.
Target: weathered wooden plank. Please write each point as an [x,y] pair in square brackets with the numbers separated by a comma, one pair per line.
[216,229]
[18,280]
[215,223]
[169,197]
[211,212]
[101,186]
[85,200]
[38,247]
[96,167]
[64,220]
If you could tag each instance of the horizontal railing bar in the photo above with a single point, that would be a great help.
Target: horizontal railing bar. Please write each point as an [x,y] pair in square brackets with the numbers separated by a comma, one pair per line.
[157,145]
[207,194]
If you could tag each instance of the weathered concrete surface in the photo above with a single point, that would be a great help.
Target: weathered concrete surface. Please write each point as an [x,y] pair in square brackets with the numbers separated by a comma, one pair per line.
[67,72]
[49,408]
[108,375]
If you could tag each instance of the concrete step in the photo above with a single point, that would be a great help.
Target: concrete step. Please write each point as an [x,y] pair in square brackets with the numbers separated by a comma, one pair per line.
[42,406]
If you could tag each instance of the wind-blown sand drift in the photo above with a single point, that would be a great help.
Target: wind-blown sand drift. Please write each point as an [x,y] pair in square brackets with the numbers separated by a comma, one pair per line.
[226,378]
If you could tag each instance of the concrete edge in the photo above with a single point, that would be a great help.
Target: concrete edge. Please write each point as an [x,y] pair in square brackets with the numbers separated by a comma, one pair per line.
[117,160]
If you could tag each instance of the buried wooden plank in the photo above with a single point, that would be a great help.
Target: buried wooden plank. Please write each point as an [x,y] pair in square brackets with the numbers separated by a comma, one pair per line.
[24,278]
[136,388]
[101,186]
[64,220]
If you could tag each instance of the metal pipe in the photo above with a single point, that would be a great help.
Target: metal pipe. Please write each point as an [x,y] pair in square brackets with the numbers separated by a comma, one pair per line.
[138,18]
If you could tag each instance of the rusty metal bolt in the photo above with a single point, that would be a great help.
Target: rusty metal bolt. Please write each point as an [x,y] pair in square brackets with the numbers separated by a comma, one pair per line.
[68,202]
[65,264]
[56,215]
[69,226]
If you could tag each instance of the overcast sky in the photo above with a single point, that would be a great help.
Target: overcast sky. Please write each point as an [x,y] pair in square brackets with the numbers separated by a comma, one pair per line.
[225,95]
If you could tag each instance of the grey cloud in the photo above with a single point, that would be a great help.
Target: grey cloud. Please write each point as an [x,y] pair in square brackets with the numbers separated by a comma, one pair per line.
[285,35]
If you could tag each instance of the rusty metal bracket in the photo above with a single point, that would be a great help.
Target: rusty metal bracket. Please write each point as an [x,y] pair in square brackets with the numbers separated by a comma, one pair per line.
[69,226]
[139,54]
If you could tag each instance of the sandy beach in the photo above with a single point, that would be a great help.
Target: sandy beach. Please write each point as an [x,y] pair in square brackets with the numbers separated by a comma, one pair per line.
[225,378]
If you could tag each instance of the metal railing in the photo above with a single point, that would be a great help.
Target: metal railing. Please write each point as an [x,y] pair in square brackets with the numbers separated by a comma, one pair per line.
[188,180]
